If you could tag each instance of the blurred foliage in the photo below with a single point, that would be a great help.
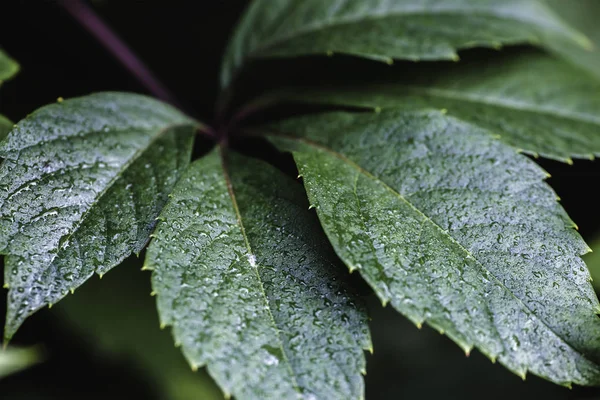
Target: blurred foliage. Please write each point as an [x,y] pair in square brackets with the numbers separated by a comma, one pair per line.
[413,363]
[118,317]
[583,14]
[15,359]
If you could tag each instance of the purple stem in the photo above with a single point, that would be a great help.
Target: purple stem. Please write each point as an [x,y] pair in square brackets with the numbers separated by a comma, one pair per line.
[86,16]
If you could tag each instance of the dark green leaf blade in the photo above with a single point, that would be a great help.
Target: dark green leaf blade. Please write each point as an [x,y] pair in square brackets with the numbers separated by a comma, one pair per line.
[454,229]
[536,103]
[246,279]
[81,184]
[8,67]
[385,30]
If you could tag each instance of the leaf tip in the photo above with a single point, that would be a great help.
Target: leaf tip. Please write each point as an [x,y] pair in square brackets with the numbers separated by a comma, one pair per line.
[523,374]
[60,100]
[389,61]
[163,325]
[6,286]
[194,366]
[455,57]
[329,53]
[153,293]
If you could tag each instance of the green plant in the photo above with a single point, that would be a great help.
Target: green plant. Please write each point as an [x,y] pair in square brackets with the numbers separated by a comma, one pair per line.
[415,176]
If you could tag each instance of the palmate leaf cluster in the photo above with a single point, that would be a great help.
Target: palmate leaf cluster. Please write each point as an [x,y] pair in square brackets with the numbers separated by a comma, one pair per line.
[422,189]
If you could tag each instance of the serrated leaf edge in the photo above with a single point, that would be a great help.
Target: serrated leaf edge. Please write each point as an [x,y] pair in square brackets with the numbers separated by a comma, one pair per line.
[465,346]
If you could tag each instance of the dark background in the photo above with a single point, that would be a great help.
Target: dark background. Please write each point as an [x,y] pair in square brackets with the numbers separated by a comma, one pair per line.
[182,42]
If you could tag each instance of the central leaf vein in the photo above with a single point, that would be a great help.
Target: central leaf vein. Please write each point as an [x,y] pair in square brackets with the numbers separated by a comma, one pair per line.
[254,266]
[323,148]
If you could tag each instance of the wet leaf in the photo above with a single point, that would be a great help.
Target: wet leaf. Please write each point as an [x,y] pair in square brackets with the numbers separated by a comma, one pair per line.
[250,286]
[386,30]
[81,184]
[456,229]
[534,102]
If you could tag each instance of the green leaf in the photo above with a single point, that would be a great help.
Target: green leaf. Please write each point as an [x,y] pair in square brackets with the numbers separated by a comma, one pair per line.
[5,126]
[536,103]
[582,14]
[387,30]
[592,260]
[15,359]
[455,229]
[81,184]
[8,67]
[117,317]
[244,275]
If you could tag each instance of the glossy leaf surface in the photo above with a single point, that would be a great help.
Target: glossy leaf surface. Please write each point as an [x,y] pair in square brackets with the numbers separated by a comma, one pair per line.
[534,102]
[384,30]
[81,184]
[247,280]
[455,229]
